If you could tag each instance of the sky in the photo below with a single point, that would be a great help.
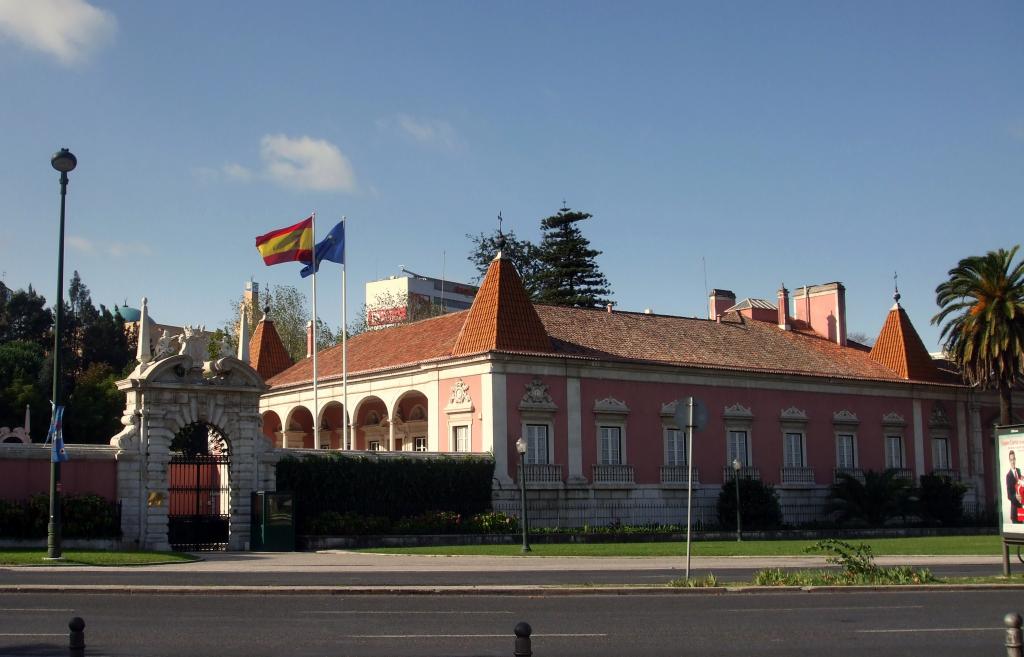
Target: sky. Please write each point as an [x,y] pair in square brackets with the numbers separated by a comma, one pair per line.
[737,145]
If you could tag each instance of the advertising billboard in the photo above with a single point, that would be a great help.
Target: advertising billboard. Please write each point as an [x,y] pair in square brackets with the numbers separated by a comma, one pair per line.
[1010,455]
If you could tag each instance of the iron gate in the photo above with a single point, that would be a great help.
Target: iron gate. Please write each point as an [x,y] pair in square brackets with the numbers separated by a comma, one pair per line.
[199,508]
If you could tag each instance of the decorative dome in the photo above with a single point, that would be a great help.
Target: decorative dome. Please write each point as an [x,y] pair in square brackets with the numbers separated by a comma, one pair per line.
[128,314]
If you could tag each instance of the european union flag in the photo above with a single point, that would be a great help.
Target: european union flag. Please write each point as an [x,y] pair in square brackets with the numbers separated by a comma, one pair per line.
[331,248]
[56,435]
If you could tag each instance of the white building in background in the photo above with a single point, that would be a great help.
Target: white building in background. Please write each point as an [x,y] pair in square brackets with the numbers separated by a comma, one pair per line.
[395,299]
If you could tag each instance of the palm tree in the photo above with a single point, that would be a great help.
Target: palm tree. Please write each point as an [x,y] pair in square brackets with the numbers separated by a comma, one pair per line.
[984,302]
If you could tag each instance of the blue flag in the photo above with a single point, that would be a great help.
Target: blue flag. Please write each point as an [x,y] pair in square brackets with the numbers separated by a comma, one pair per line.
[56,436]
[331,248]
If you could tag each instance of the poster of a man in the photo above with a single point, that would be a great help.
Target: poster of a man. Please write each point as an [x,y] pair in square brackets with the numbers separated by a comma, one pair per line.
[1010,441]
[1015,490]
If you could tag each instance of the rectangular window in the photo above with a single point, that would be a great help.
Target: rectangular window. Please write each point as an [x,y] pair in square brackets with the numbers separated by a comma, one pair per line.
[846,456]
[675,447]
[460,438]
[611,446]
[373,446]
[420,444]
[894,451]
[739,448]
[793,450]
[536,443]
[940,454]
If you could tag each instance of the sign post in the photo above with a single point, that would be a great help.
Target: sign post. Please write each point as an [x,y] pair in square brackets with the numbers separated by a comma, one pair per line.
[693,415]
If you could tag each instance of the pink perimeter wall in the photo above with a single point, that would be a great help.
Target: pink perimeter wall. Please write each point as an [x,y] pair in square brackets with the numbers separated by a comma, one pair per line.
[22,478]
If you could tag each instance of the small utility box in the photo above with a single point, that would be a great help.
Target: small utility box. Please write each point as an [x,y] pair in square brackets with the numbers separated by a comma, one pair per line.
[273,522]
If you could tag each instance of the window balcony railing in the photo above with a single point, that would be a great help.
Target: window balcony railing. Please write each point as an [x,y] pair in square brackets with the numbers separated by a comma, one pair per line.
[609,474]
[678,475]
[856,473]
[746,472]
[543,473]
[903,473]
[797,475]
[949,473]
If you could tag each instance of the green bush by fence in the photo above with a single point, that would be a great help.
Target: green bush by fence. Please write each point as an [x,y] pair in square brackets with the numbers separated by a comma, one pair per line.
[389,488]
[82,516]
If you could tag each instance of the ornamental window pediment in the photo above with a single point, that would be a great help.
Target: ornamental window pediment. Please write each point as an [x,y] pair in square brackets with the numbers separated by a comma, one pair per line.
[894,419]
[610,406]
[938,417]
[793,414]
[459,399]
[738,412]
[537,398]
[845,417]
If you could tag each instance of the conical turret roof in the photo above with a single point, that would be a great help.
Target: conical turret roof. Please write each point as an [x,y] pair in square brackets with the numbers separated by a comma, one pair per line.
[267,354]
[900,348]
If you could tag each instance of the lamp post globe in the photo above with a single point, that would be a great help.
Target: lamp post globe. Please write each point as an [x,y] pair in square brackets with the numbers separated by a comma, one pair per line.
[521,447]
[737,466]
[63,161]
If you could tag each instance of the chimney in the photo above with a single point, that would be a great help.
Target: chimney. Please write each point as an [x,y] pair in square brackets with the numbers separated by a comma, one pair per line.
[784,308]
[719,301]
[823,308]
[309,338]
[609,307]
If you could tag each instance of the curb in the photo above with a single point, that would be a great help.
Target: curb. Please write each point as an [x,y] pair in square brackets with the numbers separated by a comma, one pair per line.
[535,591]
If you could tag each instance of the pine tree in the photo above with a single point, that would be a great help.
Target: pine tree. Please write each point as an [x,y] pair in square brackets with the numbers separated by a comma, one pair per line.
[522,253]
[568,274]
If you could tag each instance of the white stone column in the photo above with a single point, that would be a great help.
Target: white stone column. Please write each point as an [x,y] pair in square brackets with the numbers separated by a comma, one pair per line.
[963,454]
[574,435]
[493,389]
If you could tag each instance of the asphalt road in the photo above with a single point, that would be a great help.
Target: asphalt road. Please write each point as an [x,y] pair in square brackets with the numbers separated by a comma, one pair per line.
[846,624]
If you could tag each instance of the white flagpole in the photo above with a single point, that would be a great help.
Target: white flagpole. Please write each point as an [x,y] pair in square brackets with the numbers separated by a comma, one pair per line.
[345,438]
[316,395]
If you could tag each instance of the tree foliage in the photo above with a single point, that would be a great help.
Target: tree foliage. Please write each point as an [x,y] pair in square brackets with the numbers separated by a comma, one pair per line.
[759,505]
[290,312]
[568,273]
[982,305]
[879,498]
[24,316]
[389,308]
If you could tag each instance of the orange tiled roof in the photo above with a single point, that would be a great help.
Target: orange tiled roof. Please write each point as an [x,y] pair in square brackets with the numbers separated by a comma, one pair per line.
[900,349]
[267,354]
[501,317]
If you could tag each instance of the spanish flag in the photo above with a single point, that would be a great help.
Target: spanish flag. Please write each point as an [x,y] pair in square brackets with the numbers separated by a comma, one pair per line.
[294,243]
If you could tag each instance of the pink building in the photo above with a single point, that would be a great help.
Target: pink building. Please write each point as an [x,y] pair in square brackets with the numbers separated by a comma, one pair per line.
[594,394]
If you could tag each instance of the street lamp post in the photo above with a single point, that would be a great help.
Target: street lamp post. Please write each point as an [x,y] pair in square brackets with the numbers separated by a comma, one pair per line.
[521,448]
[736,466]
[64,162]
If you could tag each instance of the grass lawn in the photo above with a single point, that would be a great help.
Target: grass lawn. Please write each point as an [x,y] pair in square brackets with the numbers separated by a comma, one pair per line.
[930,545]
[91,558]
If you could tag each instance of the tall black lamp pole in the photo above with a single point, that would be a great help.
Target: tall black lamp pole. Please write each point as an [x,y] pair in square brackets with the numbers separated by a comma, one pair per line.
[63,161]
[521,448]
[736,466]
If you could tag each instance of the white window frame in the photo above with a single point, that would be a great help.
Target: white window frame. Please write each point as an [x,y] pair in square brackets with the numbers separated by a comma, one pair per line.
[947,457]
[534,455]
[674,456]
[420,444]
[889,464]
[453,437]
[731,454]
[604,429]
[852,435]
[788,452]
[373,446]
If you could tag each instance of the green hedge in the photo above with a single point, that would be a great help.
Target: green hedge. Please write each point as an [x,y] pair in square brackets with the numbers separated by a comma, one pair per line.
[82,516]
[389,488]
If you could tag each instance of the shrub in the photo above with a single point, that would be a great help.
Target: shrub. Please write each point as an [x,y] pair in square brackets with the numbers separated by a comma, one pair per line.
[492,522]
[759,505]
[941,500]
[82,516]
[392,488]
[332,523]
[431,522]
[881,497]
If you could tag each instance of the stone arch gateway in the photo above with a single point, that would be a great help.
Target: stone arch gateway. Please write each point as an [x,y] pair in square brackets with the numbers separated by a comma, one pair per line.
[167,398]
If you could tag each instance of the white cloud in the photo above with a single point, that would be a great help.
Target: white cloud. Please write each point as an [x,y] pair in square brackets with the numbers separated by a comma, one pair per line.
[306,163]
[112,249]
[237,172]
[68,30]
[430,132]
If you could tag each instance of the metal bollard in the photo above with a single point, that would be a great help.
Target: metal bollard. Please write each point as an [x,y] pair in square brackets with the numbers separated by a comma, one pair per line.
[76,638]
[523,648]
[1013,639]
